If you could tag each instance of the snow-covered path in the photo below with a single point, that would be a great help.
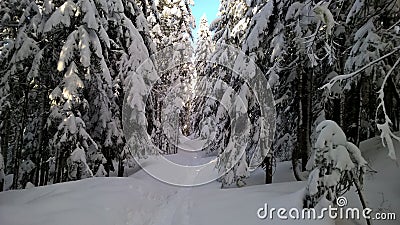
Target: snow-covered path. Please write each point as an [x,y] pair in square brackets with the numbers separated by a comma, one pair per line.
[208,204]
[175,209]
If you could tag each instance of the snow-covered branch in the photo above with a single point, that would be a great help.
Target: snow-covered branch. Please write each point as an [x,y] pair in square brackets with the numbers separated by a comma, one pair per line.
[394,25]
[332,82]
[386,133]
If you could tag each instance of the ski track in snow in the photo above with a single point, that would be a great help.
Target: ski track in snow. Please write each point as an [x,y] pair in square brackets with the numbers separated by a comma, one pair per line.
[176,209]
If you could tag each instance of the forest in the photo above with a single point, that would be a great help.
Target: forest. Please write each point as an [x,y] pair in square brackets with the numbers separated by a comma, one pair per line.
[88,86]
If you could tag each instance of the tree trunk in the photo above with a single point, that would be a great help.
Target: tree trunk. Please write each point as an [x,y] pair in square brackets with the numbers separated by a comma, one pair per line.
[20,139]
[16,158]
[120,168]
[44,171]
[307,118]
[5,132]
[58,169]
[342,104]
[106,154]
[392,102]
[1,185]
[40,151]
[304,126]
[359,114]
[268,168]
[64,173]
[296,155]
[79,171]
[37,172]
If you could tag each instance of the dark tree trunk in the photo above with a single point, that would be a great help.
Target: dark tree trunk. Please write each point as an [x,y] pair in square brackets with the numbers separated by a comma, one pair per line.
[106,154]
[79,172]
[36,173]
[307,116]
[1,185]
[57,173]
[392,103]
[268,169]
[40,151]
[64,172]
[301,153]
[360,115]
[44,169]
[5,132]
[109,166]
[16,159]
[353,118]
[59,167]
[120,168]
[20,139]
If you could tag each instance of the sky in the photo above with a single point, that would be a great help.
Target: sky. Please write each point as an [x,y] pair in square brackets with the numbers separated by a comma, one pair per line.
[201,7]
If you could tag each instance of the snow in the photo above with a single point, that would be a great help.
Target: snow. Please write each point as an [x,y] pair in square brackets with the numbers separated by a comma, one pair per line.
[325,15]
[104,36]
[357,6]
[356,154]
[386,135]
[278,42]
[101,172]
[70,123]
[62,15]
[83,46]
[329,134]
[27,166]
[88,8]
[361,52]
[72,82]
[29,185]
[294,10]
[78,156]
[140,199]
[260,22]
[67,51]
[204,45]
[313,182]
[341,157]
[381,188]
[34,72]
[27,48]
